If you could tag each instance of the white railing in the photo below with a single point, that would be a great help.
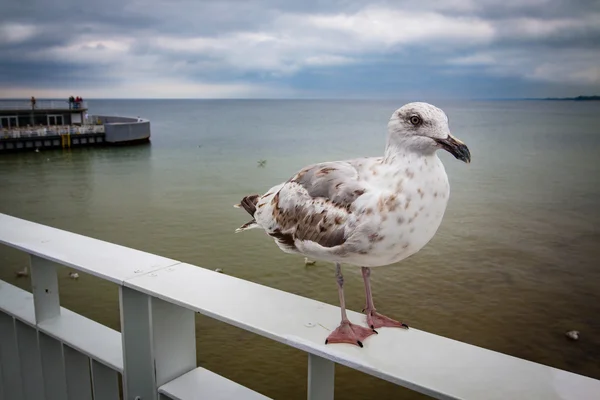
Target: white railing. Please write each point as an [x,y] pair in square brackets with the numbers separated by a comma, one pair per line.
[113,120]
[48,352]
[57,130]
[41,105]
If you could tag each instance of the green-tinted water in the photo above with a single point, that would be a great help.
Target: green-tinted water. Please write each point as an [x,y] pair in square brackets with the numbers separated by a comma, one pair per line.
[513,266]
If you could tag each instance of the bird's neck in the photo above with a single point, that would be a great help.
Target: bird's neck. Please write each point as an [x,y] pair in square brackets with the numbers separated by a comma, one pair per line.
[399,153]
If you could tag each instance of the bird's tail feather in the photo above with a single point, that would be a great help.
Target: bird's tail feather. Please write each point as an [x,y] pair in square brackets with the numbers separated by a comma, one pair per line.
[248,225]
[248,203]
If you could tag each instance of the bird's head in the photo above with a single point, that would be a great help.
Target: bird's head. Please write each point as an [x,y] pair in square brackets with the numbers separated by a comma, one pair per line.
[423,128]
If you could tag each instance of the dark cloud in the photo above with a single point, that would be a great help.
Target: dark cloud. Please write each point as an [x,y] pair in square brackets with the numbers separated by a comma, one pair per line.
[49,74]
[536,9]
[538,45]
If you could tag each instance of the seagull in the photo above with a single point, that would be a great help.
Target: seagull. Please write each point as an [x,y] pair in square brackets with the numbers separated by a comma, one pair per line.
[573,335]
[22,272]
[309,262]
[366,212]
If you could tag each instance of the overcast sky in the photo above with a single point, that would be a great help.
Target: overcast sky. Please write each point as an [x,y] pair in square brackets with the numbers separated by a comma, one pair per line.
[299,48]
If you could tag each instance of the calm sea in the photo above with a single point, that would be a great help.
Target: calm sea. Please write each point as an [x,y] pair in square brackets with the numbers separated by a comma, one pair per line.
[514,265]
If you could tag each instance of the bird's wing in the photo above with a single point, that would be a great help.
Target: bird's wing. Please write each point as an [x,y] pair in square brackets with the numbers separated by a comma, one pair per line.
[335,181]
[314,205]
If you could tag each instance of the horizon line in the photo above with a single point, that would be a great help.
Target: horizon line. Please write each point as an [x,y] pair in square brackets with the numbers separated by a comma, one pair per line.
[302,98]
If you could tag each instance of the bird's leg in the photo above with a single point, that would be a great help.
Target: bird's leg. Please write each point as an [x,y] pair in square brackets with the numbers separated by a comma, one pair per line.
[347,332]
[374,319]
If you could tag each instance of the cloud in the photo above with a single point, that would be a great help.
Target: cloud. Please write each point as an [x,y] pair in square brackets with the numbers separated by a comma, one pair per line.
[578,67]
[474,59]
[11,33]
[294,41]
[556,72]
[87,49]
[379,26]
[232,48]
[167,88]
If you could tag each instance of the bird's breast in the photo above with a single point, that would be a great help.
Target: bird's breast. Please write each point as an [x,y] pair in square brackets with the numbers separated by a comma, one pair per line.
[405,217]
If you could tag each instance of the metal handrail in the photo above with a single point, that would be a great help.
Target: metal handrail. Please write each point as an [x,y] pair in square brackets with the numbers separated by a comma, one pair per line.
[159,297]
[42,105]
[57,130]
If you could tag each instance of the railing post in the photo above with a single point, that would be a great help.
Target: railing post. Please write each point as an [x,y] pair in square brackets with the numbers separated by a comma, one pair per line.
[31,361]
[77,368]
[159,343]
[53,368]
[46,302]
[321,378]
[44,285]
[2,397]
[105,382]
[11,364]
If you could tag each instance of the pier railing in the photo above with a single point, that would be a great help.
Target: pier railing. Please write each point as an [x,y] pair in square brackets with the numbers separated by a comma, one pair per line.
[43,131]
[41,105]
[49,352]
[119,128]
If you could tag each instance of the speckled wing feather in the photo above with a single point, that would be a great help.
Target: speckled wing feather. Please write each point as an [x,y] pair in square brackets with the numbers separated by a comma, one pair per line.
[336,181]
[314,205]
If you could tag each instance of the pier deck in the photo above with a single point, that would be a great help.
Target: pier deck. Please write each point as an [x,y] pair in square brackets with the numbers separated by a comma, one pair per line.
[60,124]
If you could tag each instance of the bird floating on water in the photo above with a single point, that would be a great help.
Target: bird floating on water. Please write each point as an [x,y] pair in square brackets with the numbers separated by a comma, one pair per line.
[23,272]
[367,212]
[309,262]
[73,275]
[573,335]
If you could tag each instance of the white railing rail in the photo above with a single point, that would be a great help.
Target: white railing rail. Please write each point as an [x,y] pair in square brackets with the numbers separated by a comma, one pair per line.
[41,105]
[113,119]
[57,130]
[156,352]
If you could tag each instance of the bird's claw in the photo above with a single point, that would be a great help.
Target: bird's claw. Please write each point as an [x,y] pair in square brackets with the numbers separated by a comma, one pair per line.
[349,333]
[376,320]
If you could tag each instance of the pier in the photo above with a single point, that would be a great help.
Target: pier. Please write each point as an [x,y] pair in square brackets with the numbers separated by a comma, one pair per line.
[50,352]
[51,124]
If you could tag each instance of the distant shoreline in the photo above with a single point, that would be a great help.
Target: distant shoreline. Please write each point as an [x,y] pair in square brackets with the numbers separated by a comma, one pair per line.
[578,98]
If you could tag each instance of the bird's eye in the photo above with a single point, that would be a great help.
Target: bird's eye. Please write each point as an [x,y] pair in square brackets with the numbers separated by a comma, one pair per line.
[415,120]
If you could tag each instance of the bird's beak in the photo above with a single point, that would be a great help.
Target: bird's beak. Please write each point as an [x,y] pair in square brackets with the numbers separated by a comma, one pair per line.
[455,147]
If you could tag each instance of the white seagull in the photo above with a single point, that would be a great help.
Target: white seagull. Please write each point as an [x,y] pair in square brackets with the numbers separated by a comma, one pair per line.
[367,212]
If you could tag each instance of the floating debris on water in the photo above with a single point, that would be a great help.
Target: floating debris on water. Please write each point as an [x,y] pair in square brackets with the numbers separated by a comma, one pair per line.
[573,335]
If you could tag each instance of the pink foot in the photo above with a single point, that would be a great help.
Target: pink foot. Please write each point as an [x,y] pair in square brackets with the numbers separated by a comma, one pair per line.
[350,333]
[376,320]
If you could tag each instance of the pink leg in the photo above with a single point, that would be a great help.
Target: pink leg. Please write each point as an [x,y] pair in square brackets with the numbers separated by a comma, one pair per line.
[374,319]
[347,332]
